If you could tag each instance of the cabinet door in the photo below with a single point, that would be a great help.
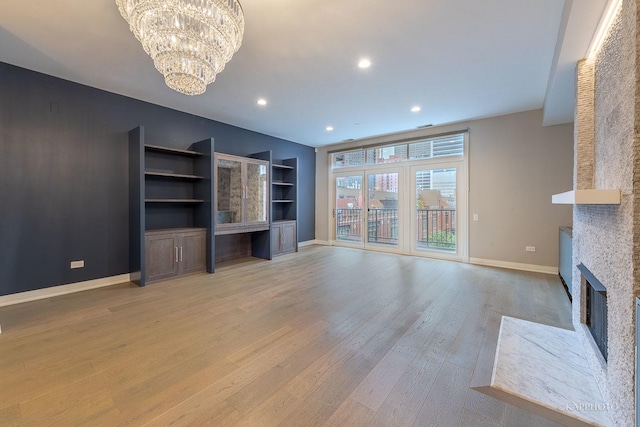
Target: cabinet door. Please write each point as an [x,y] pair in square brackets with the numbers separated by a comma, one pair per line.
[289,237]
[161,256]
[193,252]
[229,195]
[276,239]
[256,192]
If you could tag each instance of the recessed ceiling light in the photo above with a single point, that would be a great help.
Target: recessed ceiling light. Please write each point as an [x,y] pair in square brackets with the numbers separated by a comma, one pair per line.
[364,63]
[416,109]
[262,101]
[329,128]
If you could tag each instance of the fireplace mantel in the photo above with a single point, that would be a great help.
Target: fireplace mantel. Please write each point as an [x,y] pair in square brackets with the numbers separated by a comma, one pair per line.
[587,197]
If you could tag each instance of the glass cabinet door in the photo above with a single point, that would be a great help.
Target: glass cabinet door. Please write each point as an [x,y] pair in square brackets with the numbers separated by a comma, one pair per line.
[229,192]
[257,193]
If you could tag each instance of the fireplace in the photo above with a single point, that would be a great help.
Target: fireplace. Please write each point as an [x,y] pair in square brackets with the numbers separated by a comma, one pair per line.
[595,309]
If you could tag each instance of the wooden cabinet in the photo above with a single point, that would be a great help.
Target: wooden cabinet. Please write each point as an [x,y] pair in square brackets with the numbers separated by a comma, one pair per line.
[174,252]
[193,251]
[242,194]
[284,237]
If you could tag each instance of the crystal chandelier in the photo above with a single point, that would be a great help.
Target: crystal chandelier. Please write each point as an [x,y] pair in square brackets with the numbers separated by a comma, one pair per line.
[190,41]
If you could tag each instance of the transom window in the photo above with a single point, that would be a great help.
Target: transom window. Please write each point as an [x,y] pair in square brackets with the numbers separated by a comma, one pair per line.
[428,148]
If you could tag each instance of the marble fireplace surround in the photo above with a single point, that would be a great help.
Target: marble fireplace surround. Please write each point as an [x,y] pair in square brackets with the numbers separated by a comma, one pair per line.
[544,370]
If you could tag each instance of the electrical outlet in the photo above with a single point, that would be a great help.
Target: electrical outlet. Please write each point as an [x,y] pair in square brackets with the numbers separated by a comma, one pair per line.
[77,264]
[475,217]
[530,248]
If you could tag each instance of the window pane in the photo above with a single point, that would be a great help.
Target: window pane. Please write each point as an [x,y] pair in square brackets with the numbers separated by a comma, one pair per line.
[382,208]
[349,208]
[420,150]
[347,159]
[451,145]
[436,209]
[389,154]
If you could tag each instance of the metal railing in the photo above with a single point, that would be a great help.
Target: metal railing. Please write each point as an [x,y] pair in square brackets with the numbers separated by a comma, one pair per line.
[382,226]
[349,224]
[435,227]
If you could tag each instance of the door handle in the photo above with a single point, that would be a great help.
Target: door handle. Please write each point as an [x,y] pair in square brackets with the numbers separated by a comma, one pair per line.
[180,253]
[176,254]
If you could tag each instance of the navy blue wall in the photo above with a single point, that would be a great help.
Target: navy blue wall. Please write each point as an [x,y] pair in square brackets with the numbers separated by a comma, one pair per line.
[64,175]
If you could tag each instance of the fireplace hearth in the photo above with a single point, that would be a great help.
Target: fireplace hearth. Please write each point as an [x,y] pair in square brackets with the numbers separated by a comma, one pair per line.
[595,309]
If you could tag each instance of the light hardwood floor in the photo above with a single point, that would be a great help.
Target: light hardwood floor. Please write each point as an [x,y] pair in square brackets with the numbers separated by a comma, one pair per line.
[328,336]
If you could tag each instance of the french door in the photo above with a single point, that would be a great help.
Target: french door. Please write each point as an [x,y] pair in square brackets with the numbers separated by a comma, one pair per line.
[418,209]
[438,220]
[368,209]
[348,209]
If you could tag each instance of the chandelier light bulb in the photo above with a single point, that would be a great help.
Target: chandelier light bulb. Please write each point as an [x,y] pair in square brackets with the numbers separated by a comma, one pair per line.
[190,41]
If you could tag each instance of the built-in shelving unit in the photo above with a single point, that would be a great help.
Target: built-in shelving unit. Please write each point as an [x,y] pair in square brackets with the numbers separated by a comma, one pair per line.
[170,189]
[284,206]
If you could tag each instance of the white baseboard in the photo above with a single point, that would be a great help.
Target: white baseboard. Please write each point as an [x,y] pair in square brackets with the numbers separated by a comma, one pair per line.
[314,242]
[62,290]
[546,269]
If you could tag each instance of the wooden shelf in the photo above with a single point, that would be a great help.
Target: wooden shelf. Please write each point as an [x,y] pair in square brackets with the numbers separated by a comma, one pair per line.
[174,230]
[169,150]
[277,166]
[173,201]
[587,197]
[172,175]
[286,184]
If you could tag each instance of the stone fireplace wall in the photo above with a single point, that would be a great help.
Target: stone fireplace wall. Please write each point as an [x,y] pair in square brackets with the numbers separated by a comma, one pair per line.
[606,237]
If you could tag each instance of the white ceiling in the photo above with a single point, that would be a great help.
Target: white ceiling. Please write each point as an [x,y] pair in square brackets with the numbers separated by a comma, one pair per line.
[457,59]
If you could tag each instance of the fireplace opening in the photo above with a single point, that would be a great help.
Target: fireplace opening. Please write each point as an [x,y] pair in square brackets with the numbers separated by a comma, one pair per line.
[596,309]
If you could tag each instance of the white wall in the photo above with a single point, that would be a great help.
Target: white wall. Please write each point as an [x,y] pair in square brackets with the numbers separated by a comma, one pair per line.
[515,165]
